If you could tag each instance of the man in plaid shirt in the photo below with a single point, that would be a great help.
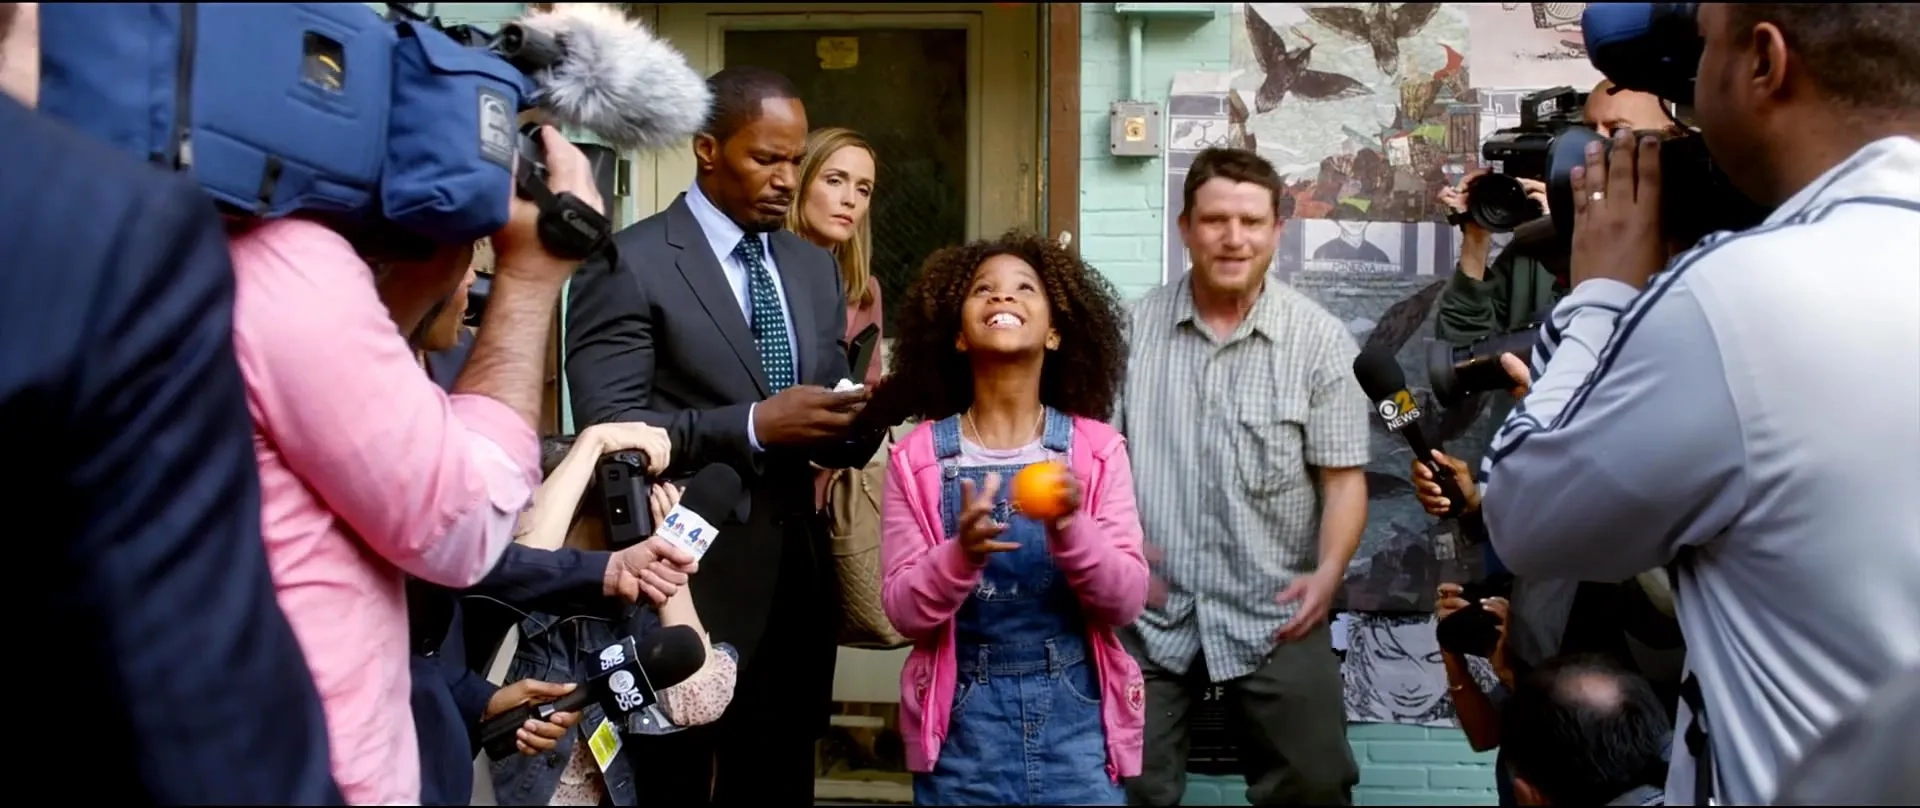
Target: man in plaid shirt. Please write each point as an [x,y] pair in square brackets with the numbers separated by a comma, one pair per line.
[1247,432]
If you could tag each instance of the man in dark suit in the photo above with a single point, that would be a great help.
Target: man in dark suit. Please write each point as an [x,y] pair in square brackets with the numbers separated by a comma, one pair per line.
[125,427]
[729,332]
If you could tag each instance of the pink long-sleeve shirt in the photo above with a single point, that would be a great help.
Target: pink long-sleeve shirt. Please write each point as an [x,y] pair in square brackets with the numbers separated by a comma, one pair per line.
[368,473]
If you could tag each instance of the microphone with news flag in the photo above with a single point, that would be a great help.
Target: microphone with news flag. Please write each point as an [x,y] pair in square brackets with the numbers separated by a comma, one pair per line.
[628,675]
[1385,384]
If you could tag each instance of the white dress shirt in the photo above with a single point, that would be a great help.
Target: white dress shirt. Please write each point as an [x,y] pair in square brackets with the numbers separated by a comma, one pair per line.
[724,236]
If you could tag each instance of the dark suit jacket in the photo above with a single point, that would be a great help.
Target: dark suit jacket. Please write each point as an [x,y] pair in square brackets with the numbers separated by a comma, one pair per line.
[656,335]
[124,423]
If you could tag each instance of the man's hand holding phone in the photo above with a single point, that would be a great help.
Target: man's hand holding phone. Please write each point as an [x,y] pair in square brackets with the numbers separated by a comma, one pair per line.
[806,414]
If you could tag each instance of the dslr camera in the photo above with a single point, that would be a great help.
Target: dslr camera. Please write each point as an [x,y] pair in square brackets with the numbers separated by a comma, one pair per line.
[624,490]
[1474,631]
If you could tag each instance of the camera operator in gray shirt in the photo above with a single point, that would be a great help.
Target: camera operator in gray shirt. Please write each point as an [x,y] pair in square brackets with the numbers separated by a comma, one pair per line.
[1746,412]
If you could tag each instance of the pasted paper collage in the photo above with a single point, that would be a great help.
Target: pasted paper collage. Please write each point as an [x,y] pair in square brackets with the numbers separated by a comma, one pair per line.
[1368,110]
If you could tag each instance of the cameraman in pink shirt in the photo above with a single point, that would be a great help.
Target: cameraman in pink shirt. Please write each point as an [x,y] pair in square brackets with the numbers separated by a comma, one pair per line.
[369,472]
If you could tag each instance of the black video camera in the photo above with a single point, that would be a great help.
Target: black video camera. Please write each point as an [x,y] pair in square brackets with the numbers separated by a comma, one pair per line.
[1696,196]
[1496,201]
[1650,47]
[1474,631]
[1457,371]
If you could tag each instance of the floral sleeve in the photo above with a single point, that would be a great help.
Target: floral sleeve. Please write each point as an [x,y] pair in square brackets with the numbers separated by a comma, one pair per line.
[702,698]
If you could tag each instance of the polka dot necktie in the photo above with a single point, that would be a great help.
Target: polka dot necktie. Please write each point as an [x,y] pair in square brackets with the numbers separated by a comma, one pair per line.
[769,324]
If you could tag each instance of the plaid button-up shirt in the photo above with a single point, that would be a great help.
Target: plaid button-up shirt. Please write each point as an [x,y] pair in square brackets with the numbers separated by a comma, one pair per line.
[1224,435]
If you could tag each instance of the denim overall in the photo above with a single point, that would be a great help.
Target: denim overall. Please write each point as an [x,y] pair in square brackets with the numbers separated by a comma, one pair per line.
[1025,726]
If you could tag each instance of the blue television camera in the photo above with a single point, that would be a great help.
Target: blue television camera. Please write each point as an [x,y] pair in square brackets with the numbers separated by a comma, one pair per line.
[327,109]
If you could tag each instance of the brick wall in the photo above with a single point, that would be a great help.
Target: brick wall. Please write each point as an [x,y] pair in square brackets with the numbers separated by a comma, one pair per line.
[1398,766]
[1121,226]
[1120,211]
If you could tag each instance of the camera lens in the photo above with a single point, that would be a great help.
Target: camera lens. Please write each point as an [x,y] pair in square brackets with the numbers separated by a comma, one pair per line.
[1468,632]
[1499,203]
[1458,372]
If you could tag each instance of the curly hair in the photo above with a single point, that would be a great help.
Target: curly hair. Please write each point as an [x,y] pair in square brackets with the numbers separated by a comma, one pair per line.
[930,379]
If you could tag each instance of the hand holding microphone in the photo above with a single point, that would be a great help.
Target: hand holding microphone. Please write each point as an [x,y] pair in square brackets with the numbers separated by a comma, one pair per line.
[656,567]
[535,735]
[626,680]
[1433,498]
[685,527]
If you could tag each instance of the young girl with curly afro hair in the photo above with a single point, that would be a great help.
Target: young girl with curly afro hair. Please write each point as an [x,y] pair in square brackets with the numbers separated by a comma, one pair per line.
[1017,691]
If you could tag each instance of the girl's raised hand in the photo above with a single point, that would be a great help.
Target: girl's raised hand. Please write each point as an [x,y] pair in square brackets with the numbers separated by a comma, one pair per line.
[979,533]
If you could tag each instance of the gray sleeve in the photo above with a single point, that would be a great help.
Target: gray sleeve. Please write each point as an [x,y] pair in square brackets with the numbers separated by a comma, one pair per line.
[1629,446]
[1337,435]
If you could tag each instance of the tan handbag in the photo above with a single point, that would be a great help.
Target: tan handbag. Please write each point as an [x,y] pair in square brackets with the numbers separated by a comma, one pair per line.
[853,509]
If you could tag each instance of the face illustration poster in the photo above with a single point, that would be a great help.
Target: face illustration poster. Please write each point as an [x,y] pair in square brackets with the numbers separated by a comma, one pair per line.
[1392,670]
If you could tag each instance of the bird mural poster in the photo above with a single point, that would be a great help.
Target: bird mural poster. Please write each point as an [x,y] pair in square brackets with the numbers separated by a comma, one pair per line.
[1529,45]
[1361,106]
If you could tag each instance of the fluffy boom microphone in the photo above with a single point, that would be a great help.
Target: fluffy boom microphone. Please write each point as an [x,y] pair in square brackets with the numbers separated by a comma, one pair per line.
[606,74]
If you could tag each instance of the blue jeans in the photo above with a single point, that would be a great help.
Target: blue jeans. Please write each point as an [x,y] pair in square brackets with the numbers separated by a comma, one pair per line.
[1026,730]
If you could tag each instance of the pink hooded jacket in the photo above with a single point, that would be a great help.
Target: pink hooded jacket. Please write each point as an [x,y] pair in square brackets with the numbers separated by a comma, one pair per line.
[928,579]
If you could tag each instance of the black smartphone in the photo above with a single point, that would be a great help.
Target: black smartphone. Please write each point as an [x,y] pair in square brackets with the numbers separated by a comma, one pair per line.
[860,352]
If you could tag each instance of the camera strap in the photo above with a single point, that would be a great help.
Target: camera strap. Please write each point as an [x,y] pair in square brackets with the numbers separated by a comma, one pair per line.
[1696,737]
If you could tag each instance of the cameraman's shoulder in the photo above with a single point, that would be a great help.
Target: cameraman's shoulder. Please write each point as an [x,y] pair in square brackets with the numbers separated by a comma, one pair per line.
[70,182]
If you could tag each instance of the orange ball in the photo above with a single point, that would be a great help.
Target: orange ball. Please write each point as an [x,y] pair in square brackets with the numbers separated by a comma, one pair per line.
[1040,490]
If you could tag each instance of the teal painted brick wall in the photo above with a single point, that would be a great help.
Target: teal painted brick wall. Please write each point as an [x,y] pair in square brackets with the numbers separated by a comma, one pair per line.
[1121,227]
[1120,209]
[1398,766]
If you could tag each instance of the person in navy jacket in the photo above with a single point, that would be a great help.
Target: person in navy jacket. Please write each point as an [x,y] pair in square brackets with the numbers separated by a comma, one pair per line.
[123,420]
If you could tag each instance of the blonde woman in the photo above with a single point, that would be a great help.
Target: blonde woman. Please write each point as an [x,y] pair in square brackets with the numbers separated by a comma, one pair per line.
[836,194]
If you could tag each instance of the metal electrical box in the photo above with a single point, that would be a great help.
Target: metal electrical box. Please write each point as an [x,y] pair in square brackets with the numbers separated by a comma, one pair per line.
[1134,129]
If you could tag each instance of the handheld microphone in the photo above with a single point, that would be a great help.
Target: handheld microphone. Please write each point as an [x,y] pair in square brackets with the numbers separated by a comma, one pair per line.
[711,497]
[1386,384]
[627,679]
[599,71]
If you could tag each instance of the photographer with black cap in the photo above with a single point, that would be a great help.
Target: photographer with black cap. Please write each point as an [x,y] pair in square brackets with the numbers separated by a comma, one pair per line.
[1742,413]
[1529,275]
